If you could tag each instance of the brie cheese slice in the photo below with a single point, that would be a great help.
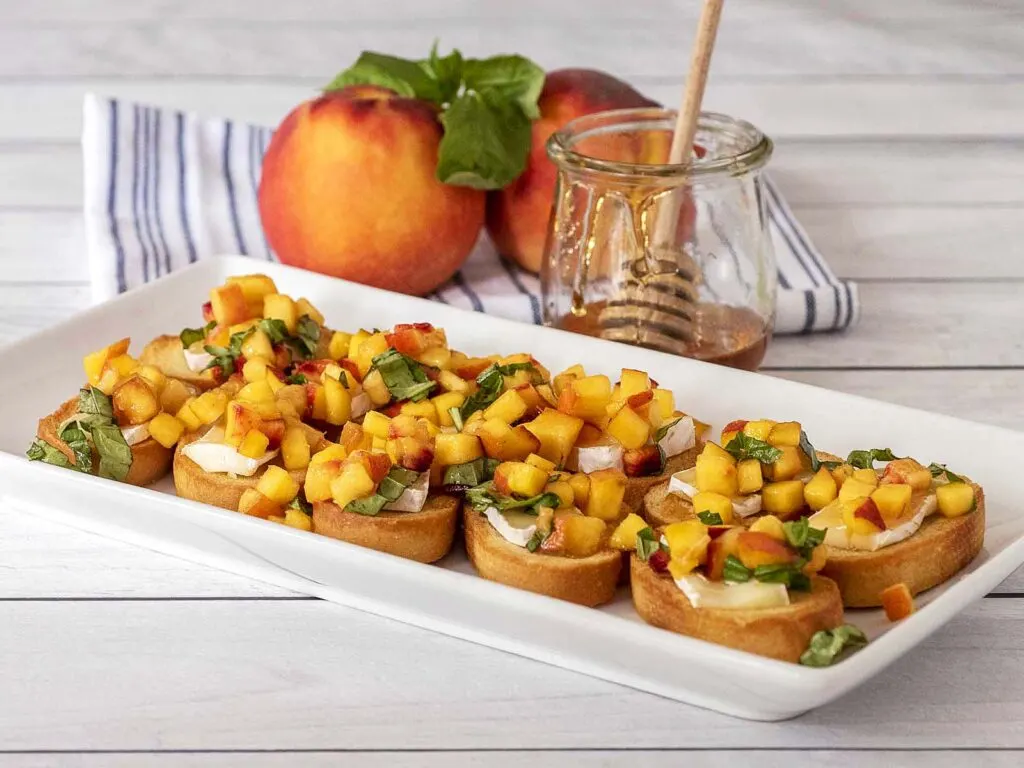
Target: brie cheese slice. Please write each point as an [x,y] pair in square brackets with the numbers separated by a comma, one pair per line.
[682,483]
[135,434]
[836,535]
[514,527]
[212,454]
[681,436]
[596,457]
[197,361]
[719,594]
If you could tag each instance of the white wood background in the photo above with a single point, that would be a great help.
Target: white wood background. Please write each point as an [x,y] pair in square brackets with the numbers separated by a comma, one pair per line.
[900,143]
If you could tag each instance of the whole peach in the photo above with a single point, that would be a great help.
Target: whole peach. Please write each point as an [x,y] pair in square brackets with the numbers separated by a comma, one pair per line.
[348,189]
[517,216]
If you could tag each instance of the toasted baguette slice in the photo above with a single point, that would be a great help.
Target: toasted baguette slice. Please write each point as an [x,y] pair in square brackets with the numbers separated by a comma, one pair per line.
[637,487]
[778,633]
[661,507]
[940,549]
[589,581]
[425,536]
[167,354]
[150,460]
[218,488]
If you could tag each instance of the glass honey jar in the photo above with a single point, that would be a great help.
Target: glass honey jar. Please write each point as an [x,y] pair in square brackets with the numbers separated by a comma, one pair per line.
[671,257]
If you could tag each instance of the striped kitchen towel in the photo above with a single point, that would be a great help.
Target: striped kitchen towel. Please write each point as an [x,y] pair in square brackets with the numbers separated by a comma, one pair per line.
[165,188]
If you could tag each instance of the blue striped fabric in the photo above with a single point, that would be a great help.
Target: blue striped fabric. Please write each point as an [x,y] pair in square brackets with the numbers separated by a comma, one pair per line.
[164,189]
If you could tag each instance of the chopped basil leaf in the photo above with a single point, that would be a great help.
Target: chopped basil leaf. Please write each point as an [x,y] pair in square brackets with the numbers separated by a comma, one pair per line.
[370,506]
[536,540]
[114,452]
[307,337]
[778,573]
[94,401]
[275,329]
[709,518]
[190,336]
[78,441]
[866,459]
[808,449]
[484,496]
[831,464]
[829,645]
[456,415]
[734,570]
[296,378]
[939,469]
[225,357]
[743,446]
[800,581]
[302,505]
[390,489]
[646,543]
[472,473]
[490,383]
[403,376]
[664,428]
[40,450]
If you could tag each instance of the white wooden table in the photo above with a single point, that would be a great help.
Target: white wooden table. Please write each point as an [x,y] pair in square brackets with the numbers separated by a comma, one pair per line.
[900,142]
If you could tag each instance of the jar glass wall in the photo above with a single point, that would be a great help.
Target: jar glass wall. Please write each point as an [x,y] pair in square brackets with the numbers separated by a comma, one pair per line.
[671,257]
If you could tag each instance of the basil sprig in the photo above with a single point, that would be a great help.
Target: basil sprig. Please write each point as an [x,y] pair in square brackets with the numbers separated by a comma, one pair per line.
[940,469]
[190,336]
[490,384]
[647,543]
[743,447]
[485,105]
[802,537]
[403,376]
[91,429]
[829,645]
[735,570]
[390,489]
[224,357]
[709,518]
[866,459]
[808,449]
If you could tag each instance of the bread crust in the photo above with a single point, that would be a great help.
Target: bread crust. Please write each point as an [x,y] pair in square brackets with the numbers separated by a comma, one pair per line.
[150,460]
[167,354]
[589,581]
[938,550]
[778,633]
[661,507]
[425,536]
[218,488]
[638,487]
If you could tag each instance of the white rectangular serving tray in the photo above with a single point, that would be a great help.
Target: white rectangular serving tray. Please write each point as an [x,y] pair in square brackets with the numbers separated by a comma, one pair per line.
[611,642]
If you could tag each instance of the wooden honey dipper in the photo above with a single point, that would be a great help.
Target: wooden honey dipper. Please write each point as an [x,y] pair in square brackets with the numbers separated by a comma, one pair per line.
[656,305]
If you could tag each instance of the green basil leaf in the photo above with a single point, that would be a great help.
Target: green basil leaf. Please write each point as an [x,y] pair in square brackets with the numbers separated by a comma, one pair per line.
[940,469]
[734,570]
[472,473]
[743,447]
[403,376]
[275,329]
[370,506]
[814,537]
[78,441]
[307,334]
[403,76]
[800,581]
[829,645]
[40,450]
[808,449]
[190,336]
[296,378]
[646,543]
[446,71]
[664,428]
[536,540]
[302,505]
[485,143]
[506,80]
[866,459]
[796,532]
[483,496]
[95,402]
[456,415]
[832,464]
[709,518]
[777,573]
[490,383]
[114,453]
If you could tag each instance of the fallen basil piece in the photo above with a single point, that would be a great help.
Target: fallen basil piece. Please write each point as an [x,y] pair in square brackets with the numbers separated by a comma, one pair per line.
[734,570]
[743,447]
[866,459]
[829,645]
[710,518]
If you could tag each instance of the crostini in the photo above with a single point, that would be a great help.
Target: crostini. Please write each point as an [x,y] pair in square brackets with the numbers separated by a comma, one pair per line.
[545,531]
[902,523]
[245,319]
[383,499]
[120,426]
[754,590]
